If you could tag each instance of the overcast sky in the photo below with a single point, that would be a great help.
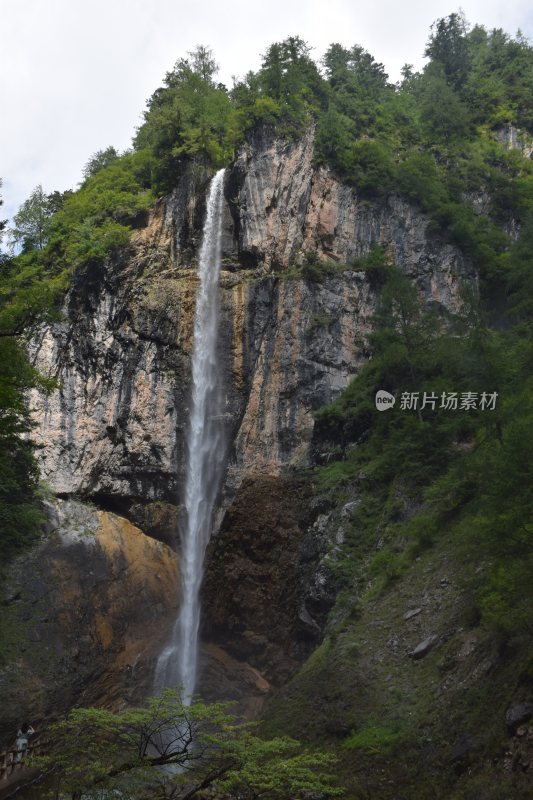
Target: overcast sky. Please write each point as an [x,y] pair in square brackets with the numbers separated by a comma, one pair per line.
[75,74]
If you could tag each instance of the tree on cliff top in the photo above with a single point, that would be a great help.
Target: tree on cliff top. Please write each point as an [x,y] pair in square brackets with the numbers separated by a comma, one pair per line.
[188,116]
[100,160]
[448,46]
[168,750]
[32,221]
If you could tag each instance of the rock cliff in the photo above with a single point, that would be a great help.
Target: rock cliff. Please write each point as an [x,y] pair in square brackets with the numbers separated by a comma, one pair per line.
[84,612]
[113,432]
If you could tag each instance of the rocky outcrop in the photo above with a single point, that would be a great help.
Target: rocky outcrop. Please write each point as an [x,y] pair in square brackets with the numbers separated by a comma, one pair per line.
[84,615]
[238,682]
[257,598]
[284,205]
[514,139]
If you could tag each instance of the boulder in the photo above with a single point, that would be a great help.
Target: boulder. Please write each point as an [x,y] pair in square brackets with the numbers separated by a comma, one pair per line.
[518,714]
[424,647]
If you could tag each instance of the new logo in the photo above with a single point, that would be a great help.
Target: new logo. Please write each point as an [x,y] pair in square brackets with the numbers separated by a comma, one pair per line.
[384,400]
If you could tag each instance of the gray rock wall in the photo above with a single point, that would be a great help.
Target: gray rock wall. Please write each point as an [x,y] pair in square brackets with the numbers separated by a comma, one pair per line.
[114,429]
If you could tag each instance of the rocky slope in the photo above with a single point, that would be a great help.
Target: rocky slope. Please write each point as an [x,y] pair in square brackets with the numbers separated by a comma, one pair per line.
[417,697]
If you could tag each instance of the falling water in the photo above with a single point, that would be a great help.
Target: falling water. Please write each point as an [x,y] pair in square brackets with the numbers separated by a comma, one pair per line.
[178,661]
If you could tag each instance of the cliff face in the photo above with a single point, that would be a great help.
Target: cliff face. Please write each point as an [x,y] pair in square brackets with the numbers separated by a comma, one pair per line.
[114,430]
[83,617]
[255,589]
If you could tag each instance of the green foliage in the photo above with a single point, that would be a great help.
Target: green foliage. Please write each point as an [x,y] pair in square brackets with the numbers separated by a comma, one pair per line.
[96,221]
[444,116]
[371,167]
[289,76]
[448,46]
[167,749]
[424,472]
[32,222]
[28,293]
[376,263]
[20,516]
[333,140]
[375,738]
[188,116]
[520,276]
[99,160]
[263,111]
[278,768]
[498,86]
[358,86]
[315,269]
[386,564]
[25,296]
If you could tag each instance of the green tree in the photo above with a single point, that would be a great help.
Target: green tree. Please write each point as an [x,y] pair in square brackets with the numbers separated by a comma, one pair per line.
[448,46]
[333,141]
[203,63]
[371,167]
[25,296]
[99,160]
[3,222]
[96,220]
[20,516]
[31,227]
[199,747]
[443,113]
[358,84]
[499,83]
[188,116]
[289,75]
[56,200]
[354,69]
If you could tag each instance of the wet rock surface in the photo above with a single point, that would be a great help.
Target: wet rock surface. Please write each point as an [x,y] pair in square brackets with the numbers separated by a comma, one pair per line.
[87,611]
[257,586]
[241,685]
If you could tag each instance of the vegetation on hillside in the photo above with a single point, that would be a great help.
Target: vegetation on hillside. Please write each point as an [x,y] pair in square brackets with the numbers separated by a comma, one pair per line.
[454,447]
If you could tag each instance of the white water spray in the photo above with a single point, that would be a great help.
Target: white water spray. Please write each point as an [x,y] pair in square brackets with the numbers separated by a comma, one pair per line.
[205,455]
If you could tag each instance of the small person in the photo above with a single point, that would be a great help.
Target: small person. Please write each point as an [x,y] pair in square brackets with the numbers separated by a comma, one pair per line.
[23,738]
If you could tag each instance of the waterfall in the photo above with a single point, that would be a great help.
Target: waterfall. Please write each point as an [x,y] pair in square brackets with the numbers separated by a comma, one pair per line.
[205,455]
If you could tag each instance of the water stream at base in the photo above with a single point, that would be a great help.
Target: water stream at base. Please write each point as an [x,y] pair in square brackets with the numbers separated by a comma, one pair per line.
[177,663]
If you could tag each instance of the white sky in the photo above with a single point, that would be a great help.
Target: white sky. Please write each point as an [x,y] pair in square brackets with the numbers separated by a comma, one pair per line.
[75,74]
